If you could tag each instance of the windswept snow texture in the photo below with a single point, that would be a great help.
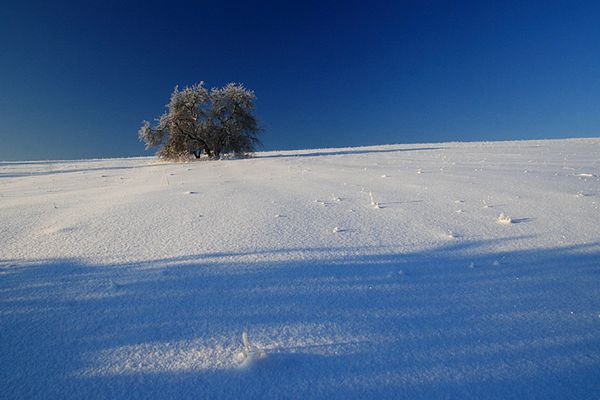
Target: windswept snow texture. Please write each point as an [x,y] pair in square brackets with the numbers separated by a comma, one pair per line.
[375,272]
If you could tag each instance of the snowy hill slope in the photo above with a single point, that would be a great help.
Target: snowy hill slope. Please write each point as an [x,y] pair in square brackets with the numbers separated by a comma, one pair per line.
[374,272]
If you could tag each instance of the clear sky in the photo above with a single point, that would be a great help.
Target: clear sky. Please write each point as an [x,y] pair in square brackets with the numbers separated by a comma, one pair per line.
[77,78]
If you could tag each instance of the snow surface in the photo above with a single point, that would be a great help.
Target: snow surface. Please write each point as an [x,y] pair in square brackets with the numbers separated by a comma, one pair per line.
[373,272]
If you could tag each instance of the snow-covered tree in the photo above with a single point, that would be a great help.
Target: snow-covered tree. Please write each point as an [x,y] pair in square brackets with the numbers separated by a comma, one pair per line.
[233,127]
[197,120]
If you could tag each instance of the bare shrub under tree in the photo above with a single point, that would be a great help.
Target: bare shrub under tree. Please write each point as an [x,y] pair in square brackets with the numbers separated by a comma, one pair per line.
[198,120]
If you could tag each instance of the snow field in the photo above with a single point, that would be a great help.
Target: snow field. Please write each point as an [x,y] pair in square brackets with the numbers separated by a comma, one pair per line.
[375,272]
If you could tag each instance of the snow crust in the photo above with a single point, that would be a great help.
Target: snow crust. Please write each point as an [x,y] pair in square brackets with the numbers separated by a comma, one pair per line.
[371,272]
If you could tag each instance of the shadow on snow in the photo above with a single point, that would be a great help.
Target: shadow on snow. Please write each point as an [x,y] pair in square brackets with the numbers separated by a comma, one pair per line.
[51,171]
[358,151]
[523,324]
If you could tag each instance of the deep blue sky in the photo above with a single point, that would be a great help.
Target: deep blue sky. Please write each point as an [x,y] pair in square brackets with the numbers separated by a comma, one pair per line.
[77,78]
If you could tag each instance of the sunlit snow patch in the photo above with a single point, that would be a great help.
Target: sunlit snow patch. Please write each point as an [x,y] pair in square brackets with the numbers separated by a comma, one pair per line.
[157,357]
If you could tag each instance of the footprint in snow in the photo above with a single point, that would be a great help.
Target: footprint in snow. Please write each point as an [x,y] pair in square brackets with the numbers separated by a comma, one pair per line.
[451,235]
[115,285]
[396,274]
[58,230]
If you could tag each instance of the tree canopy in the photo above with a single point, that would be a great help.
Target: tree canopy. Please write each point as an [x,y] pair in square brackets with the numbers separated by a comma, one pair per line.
[197,120]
